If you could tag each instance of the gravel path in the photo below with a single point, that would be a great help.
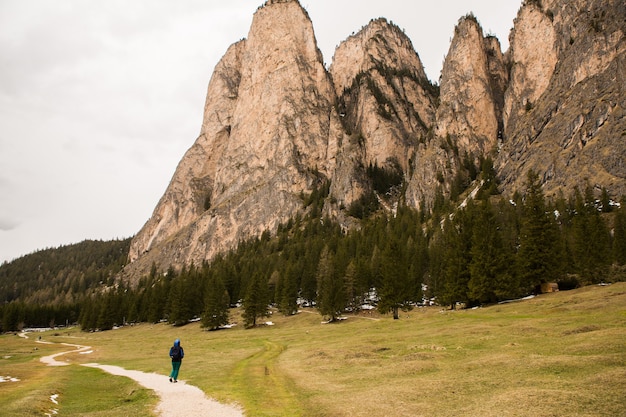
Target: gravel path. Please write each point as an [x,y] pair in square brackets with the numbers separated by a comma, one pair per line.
[177,399]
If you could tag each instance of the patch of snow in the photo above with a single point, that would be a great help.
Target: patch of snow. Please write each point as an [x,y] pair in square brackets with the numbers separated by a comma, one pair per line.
[530,297]
[54,411]
[38,329]
[86,352]
[8,379]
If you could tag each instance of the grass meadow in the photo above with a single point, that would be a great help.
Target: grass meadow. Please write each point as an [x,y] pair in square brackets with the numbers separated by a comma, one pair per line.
[560,354]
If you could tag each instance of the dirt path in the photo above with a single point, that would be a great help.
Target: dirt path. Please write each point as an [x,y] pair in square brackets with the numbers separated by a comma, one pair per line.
[176,399]
[51,360]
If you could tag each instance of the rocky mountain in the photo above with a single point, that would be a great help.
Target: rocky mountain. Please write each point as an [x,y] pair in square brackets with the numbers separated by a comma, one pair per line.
[270,133]
[564,104]
[278,126]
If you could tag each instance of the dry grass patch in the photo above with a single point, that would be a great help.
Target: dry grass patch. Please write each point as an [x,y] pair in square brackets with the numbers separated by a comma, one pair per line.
[561,354]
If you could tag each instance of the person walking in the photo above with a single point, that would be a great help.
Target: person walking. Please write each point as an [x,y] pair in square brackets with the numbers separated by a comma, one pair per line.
[177,354]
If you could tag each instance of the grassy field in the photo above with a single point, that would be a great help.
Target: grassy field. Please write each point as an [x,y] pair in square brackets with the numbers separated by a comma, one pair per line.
[561,354]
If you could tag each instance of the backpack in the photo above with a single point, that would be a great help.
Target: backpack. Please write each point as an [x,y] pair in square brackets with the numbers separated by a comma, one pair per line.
[176,353]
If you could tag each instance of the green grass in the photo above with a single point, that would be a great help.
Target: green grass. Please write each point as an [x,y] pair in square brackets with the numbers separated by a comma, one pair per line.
[81,391]
[91,392]
[561,354]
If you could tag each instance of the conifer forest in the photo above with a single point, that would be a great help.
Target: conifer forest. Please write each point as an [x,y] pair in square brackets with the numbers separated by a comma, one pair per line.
[462,253]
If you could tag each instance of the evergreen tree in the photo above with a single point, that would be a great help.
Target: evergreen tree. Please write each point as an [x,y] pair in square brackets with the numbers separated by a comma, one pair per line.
[455,257]
[308,280]
[395,290]
[508,218]
[106,316]
[89,312]
[288,296]
[12,317]
[537,255]
[180,311]
[255,304]
[605,201]
[591,239]
[418,262]
[217,303]
[619,234]
[133,308]
[489,178]
[490,280]
[331,298]
[155,300]
[353,295]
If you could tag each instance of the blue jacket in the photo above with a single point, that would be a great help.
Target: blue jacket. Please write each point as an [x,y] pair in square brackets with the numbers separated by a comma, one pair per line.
[177,346]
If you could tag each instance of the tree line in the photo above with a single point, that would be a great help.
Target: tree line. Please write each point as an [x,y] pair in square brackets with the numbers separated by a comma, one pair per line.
[47,287]
[490,250]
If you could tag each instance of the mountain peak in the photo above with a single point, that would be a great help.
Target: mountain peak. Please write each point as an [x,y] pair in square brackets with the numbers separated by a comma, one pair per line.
[267,134]
[278,127]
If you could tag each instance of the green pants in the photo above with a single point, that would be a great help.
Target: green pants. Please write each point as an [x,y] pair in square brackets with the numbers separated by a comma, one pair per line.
[175,369]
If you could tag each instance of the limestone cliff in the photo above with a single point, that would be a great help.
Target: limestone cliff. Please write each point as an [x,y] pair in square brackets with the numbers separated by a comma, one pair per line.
[564,107]
[386,103]
[269,135]
[469,115]
[277,125]
[472,89]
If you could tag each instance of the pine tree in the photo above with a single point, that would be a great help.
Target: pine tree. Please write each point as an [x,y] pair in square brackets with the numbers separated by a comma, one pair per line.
[308,281]
[490,280]
[288,295]
[106,318]
[13,317]
[255,304]
[89,311]
[537,256]
[216,305]
[331,297]
[179,308]
[619,234]
[455,256]
[353,295]
[418,261]
[395,290]
[591,239]
[155,299]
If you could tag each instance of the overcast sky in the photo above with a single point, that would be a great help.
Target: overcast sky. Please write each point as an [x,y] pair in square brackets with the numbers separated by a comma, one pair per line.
[99,100]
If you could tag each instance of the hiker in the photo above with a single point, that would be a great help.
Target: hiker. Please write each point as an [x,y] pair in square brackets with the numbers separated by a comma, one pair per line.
[177,354]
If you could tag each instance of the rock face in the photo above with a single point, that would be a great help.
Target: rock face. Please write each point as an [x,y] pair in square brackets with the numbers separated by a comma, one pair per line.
[469,115]
[386,104]
[270,133]
[472,89]
[564,105]
[277,125]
